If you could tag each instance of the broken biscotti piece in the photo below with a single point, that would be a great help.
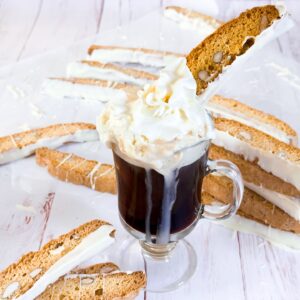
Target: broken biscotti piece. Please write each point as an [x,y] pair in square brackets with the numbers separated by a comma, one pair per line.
[85,286]
[71,168]
[255,215]
[234,38]
[142,56]
[107,71]
[23,144]
[191,19]
[234,110]
[30,276]
[89,89]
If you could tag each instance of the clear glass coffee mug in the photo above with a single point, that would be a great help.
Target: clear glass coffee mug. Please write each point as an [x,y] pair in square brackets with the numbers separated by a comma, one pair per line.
[160,210]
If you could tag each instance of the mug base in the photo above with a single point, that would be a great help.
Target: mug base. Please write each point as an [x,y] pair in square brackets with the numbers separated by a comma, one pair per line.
[167,269]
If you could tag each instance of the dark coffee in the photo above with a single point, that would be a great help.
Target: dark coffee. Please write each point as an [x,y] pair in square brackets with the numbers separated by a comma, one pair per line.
[145,197]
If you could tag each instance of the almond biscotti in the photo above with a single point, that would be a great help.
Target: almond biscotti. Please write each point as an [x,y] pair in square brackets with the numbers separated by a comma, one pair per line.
[145,57]
[253,206]
[255,215]
[110,72]
[234,38]
[88,89]
[23,144]
[100,268]
[275,190]
[273,156]
[191,19]
[232,109]
[280,238]
[30,276]
[119,285]
[101,90]
[71,168]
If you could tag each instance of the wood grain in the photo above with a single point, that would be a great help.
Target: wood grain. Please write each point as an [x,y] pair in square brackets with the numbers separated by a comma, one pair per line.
[245,268]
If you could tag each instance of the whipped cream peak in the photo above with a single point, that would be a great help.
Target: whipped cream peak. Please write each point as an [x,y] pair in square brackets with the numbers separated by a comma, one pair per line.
[165,117]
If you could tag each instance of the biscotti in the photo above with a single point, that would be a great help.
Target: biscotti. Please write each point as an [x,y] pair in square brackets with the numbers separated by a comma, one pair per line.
[146,57]
[71,168]
[100,268]
[219,106]
[110,72]
[234,38]
[30,276]
[88,89]
[22,144]
[119,285]
[275,157]
[280,238]
[253,206]
[234,110]
[275,190]
[190,19]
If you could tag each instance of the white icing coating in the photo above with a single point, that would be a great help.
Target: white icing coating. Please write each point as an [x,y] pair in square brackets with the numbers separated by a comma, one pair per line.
[224,112]
[84,70]
[165,118]
[203,26]
[64,160]
[277,28]
[91,245]
[35,272]
[62,88]
[131,56]
[92,173]
[290,205]
[280,238]
[270,162]
[52,142]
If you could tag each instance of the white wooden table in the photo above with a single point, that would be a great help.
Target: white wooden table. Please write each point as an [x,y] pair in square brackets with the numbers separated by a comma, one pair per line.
[230,265]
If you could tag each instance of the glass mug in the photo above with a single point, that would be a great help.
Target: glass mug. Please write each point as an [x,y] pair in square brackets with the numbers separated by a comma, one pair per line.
[161,210]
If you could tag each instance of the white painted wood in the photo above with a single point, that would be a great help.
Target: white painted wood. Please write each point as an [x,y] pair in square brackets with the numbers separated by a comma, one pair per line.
[230,265]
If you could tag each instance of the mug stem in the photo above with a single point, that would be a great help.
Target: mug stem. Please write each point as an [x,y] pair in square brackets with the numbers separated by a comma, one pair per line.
[157,251]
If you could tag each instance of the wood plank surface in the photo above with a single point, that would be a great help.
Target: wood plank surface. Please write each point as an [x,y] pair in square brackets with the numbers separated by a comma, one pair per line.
[247,268]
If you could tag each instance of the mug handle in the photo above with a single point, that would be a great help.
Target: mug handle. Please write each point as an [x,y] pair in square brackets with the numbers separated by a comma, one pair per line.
[230,170]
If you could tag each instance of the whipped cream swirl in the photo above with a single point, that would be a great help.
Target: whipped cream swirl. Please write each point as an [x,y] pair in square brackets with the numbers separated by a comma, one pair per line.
[164,118]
